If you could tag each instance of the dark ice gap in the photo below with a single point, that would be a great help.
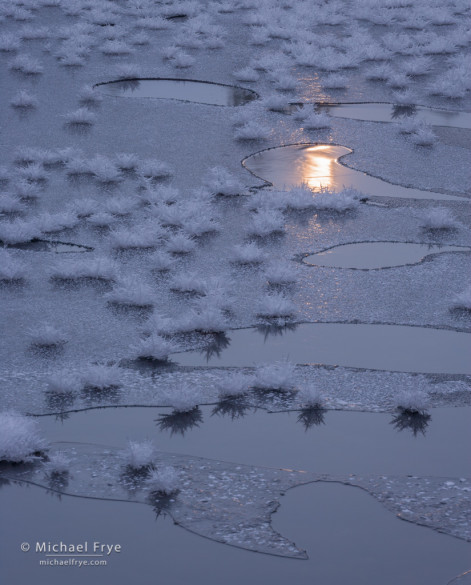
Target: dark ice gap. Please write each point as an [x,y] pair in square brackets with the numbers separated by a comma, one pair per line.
[371,255]
[200,92]
[377,347]
[384,112]
[318,166]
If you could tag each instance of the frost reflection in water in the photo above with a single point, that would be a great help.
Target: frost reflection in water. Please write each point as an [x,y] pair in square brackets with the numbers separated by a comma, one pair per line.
[181,557]
[180,422]
[200,92]
[376,347]
[318,166]
[309,417]
[371,255]
[384,112]
[233,503]
[414,421]
[226,502]
[233,407]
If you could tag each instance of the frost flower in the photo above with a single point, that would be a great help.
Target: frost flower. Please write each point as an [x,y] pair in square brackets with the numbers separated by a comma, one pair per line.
[19,438]
[154,348]
[163,481]
[139,455]
[412,402]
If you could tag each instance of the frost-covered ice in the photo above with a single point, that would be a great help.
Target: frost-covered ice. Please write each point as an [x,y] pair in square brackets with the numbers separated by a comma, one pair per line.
[342,388]
[233,503]
[176,228]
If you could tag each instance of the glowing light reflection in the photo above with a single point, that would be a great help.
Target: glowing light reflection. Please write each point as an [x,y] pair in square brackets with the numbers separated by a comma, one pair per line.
[318,166]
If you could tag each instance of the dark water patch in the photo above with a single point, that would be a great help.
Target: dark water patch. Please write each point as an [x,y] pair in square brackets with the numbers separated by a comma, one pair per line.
[336,551]
[367,443]
[373,255]
[352,524]
[151,541]
[52,246]
[377,347]
[384,112]
[319,167]
[200,92]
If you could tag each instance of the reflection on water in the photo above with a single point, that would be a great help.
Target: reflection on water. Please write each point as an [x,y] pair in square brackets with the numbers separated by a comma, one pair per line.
[58,481]
[180,422]
[377,347]
[273,329]
[315,165]
[309,417]
[201,92]
[371,255]
[233,407]
[219,342]
[349,441]
[414,421]
[381,112]
[318,166]
[372,544]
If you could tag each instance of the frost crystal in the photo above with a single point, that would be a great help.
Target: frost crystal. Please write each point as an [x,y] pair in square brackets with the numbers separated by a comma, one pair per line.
[163,481]
[139,455]
[19,438]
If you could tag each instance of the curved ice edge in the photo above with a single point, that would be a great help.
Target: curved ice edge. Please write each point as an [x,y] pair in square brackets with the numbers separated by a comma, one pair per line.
[233,503]
[445,197]
[417,108]
[428,256]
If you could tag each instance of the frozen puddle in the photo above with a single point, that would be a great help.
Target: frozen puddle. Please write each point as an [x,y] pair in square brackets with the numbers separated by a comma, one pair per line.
[377,347]
[384,112]
[200,92]
[318,165]
[372,255]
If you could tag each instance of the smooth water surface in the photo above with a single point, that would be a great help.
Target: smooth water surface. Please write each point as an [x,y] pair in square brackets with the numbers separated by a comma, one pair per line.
[201,92]
[318,166]
[384,112]
[154,550]
[360,538]
[339,443]
[371,255]
[377,347]
[346,532]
